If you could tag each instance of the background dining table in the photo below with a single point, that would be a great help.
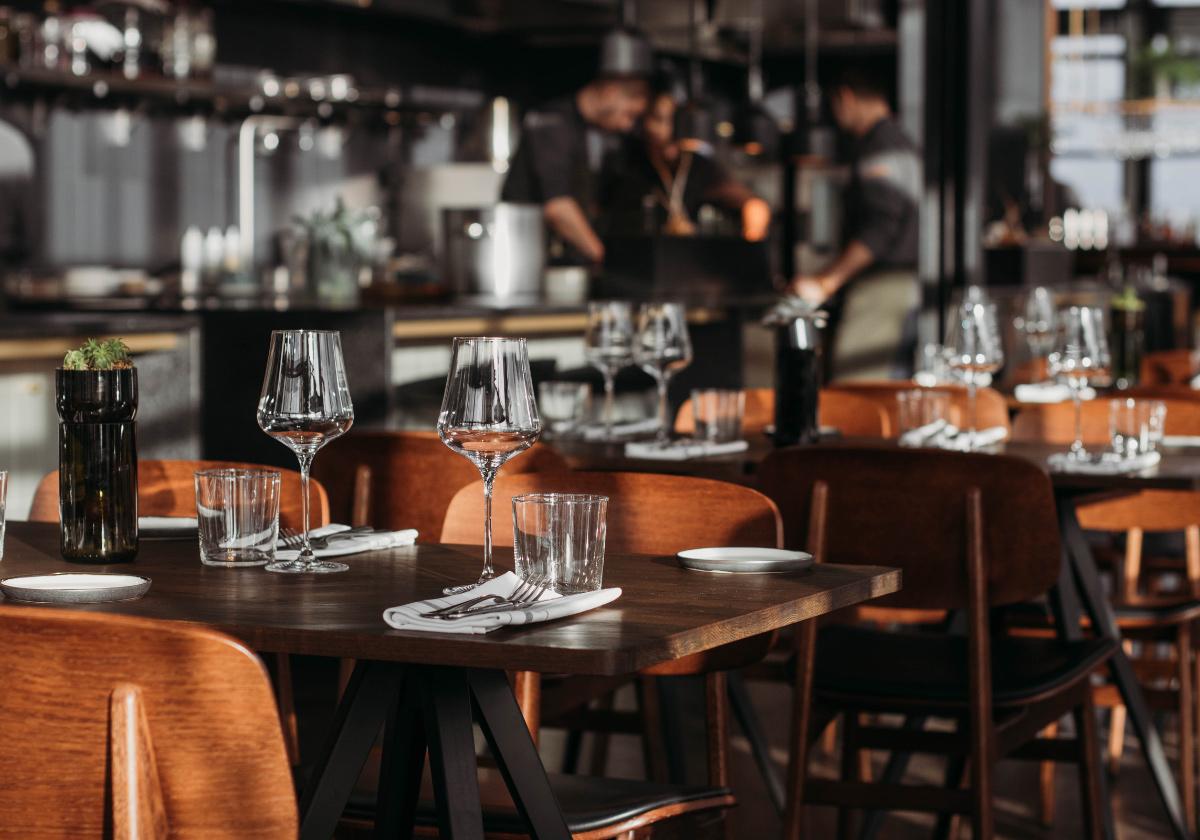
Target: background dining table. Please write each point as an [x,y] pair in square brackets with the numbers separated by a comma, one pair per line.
[1080,591]
[664,613]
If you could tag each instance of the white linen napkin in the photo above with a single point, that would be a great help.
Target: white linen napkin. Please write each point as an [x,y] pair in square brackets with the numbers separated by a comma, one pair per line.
[983,437]
[1105,464]
[371,541]
[1048,392]
[923,434]
[547,608]
[631,428]
[682,450]
[1181,441]
[941,435]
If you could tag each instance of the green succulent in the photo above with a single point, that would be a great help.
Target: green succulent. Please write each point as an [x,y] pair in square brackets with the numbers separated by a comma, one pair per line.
[110,354]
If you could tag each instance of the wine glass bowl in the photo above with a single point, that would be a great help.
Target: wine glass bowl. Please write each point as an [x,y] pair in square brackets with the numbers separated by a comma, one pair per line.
[608,346]
[662,348]
[1037,322]
[489,414]
[305,403]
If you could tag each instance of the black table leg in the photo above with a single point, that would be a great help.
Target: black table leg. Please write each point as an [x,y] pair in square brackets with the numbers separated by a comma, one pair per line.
[452,762]
[1095,603]
[515,754]
[373,689]
[404,747]
[747,718]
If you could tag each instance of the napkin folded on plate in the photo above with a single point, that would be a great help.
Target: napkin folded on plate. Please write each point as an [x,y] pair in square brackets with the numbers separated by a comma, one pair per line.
[371,541]
[631,428]
[1048,392]
[942,435]
[1106,464]
[547,608]
[681,450]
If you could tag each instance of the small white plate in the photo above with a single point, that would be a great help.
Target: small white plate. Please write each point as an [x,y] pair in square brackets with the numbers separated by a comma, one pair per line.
[744,560]
[72,588]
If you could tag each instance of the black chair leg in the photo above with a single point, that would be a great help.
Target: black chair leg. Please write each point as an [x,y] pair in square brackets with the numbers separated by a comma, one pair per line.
[747,718]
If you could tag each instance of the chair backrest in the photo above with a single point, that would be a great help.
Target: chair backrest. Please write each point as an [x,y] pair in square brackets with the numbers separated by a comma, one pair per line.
[409,477]
[1167,367]
[168,488]
[990,407]
[853,416]
[648,513]
[1055,422]
[908,508]
[106,720]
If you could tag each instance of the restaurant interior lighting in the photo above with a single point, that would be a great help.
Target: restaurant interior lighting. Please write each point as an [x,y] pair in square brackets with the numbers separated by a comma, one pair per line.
[755,130]
[694,126]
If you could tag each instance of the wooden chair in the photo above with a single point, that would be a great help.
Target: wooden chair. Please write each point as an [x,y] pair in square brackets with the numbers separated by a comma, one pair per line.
[988,538]
[991,409]
[167,488]
[399,480]
[1167,367]
[851,415]
[123,727]
[647,514]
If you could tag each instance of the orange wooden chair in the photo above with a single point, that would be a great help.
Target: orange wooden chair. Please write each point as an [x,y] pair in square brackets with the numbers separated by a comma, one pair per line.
[991,409]
[1167,367]
[988,537]
[398,480]
[123,727]
[648,513]
[167,488]
[851,415]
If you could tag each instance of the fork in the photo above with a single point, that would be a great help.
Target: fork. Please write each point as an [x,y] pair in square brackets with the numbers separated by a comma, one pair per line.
[291,538]
[529,591]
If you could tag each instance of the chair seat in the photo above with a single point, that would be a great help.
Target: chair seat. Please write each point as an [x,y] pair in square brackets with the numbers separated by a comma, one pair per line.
[593,807]
[859,662]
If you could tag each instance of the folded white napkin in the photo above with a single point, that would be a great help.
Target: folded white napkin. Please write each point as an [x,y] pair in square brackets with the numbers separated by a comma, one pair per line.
[682,450]
[1108,463]
[941,435]
[1181,440]
[547,608]
[149,526]
[631,428]
[1049,392]
[983,437]
[924,434]
[371,541]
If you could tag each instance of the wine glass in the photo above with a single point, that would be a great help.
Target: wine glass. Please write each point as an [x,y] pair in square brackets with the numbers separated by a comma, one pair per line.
[661,347]
[1080,356]
[608,343]
[489,414]
[305,403]
[1037,322]
[975,348]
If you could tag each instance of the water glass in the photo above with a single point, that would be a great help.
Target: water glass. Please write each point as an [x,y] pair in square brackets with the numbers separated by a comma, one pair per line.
[559,537]
[920,408]
[564,405]
[237,511]
[718,414]
[1135,426]
[3,507]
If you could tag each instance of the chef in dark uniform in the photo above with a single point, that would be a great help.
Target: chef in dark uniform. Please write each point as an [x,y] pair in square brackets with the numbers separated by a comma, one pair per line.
[871,287]
[655,185]
[562,143]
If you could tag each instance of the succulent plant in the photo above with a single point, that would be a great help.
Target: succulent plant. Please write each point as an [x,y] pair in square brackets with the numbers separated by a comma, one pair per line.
[111,354]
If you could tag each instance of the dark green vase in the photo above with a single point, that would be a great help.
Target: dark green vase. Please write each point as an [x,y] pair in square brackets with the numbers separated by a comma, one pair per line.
[97,464]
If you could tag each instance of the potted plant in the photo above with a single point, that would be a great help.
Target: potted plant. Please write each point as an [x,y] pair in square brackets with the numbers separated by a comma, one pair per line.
[97,399]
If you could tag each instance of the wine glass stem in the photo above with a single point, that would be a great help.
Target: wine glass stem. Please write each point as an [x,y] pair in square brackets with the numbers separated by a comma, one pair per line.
[663,431]
[489,477]
[970,411]
[609,388]
[306,553]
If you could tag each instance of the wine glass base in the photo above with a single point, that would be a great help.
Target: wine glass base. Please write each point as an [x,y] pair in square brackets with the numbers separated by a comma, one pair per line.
[295,567]
[467,587]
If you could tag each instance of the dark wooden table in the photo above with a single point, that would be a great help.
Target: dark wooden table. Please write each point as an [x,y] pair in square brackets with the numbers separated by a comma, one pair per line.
[1080,589]
[425,689]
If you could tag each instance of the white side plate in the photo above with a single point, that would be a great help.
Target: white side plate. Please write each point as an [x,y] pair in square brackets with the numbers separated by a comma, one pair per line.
[744,560]
[70,588]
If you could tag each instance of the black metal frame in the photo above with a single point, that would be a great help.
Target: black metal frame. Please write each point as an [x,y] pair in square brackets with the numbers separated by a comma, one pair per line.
[419,708]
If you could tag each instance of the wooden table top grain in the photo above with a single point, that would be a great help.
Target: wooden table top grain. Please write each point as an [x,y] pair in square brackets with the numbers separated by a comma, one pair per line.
[664,613]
